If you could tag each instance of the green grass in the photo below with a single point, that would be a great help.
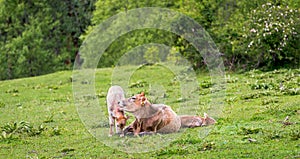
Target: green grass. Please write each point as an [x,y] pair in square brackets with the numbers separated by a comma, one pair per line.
[38,117]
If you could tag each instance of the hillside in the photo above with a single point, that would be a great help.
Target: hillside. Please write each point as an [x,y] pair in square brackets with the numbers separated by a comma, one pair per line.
[38,118]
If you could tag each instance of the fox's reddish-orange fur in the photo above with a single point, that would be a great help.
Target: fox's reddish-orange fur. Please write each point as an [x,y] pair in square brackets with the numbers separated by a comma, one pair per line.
[150,118]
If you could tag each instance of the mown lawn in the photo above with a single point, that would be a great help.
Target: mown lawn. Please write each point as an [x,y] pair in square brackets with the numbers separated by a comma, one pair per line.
[38,118]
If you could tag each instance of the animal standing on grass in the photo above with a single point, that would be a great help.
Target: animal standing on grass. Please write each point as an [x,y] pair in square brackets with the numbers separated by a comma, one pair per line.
[117,116]
[150,118]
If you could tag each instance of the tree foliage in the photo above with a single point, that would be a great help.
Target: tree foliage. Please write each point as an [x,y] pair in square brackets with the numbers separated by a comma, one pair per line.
[272,33]
[229,22]
[39,37]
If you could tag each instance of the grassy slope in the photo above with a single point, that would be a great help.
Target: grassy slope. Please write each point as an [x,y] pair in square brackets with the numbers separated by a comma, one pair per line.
[254,105]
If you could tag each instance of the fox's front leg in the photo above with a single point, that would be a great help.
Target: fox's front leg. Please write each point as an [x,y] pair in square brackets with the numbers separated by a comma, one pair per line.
[137,129]
[111,125]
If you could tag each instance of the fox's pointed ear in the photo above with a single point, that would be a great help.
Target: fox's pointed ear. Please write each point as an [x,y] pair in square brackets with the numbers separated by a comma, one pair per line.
[143,101]
[205,116]
[142,94]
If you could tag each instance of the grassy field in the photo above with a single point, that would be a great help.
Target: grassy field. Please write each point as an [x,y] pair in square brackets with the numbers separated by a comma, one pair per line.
[39,119]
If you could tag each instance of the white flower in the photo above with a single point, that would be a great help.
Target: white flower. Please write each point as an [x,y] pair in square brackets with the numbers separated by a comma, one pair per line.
[266,25]
[251,43]
[253,30]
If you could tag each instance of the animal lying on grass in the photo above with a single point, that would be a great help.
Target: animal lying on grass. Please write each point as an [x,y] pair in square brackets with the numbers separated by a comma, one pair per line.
[150,118]
[190,121]
[187,121]
[158,118]
[117,116]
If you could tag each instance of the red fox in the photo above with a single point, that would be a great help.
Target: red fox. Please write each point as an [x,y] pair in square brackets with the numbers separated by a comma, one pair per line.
[114,95]
[191,121]
[150,118]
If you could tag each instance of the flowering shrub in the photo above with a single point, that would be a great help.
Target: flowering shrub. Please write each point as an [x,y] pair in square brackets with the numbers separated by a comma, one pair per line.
[272,35]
